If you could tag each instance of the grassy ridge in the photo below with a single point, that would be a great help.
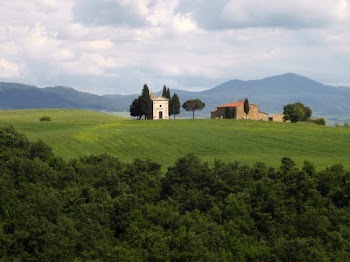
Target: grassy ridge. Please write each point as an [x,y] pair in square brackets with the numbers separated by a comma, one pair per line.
[73,133]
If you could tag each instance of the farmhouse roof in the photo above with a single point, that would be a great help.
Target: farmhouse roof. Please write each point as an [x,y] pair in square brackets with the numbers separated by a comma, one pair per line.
[234,104]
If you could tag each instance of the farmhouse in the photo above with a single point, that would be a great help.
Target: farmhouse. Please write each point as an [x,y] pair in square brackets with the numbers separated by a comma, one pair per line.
[236,111]
[276,118]
[160,107]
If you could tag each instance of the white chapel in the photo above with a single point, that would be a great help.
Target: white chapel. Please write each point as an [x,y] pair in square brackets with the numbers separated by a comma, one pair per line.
[160,107]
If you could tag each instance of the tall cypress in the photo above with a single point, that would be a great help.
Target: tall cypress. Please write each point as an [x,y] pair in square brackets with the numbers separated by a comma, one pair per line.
[175,105]
[246,108]
[146,103]
[164,93]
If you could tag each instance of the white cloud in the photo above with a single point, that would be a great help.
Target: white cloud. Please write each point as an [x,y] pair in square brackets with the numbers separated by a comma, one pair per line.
[297,13]
[64,55]
[8,69]
[110,12]
[118,45]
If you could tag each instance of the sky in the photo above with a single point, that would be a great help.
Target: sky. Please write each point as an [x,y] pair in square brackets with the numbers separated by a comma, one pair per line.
[117,46]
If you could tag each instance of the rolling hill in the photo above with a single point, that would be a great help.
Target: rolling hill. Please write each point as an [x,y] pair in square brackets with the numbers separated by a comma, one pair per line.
[271,94]
[73,133]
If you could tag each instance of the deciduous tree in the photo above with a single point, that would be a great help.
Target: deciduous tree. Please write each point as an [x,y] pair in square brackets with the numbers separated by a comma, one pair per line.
[296,112]
[193,105]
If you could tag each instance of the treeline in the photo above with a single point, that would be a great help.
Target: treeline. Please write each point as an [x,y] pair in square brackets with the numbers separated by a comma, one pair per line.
[143,106]
[97,208]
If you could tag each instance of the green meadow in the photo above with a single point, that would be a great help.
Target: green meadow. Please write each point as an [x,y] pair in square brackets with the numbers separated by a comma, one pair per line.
[75,133]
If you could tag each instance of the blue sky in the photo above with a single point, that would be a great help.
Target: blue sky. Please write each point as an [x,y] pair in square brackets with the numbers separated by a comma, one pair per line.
[115,46]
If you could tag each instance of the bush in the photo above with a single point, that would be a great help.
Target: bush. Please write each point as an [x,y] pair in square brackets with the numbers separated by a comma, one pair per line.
[346,125]
[45,118]
[320,121]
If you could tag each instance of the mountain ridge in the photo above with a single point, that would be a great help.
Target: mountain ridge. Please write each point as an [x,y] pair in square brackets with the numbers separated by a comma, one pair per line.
[270,94]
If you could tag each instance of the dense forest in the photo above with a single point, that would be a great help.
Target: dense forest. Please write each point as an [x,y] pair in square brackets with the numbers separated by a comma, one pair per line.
[98,208]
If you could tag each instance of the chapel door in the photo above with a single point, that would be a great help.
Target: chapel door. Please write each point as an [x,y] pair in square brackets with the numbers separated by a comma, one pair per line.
[160,114]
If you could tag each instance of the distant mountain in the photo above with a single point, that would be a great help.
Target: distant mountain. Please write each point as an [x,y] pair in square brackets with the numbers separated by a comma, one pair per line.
[122,102]
[270,94]
[19,96]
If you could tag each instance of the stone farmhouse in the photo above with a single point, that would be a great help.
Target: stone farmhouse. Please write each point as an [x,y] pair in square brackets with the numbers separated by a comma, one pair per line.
[160,107]
[238,111]
[276,118]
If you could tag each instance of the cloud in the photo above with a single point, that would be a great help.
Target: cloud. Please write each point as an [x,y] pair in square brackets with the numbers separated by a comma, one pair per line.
[8,69]
[110,12]
[225,14]
[115,46]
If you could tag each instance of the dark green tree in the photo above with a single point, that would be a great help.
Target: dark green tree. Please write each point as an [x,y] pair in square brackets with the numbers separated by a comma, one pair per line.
[146,103]
[164,93]
[193,105]
[175,105]
[135,108]
[320,121]
[246,108]
[296,112]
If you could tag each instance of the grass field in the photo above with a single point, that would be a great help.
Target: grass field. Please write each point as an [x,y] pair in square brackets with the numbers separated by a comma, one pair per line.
[74,133]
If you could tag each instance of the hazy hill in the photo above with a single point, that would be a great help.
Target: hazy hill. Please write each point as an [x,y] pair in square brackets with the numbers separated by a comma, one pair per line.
[271,94]
[19,96]
[82,99]
[123,102]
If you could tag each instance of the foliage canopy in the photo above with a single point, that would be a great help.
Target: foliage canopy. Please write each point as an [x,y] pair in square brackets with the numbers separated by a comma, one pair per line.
[296,112]
[99,208]
[193,105]
[142,106]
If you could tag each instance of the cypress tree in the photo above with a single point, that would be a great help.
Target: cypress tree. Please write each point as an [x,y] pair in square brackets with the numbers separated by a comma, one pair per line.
[135,108]
[169,97]
[146,106]
[164,93]
[246,108]
[175,105]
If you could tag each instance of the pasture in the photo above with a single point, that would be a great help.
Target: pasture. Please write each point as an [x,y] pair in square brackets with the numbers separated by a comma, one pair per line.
[75,133]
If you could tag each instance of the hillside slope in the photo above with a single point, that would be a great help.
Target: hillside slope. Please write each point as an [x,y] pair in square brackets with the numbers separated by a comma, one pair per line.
[73,133]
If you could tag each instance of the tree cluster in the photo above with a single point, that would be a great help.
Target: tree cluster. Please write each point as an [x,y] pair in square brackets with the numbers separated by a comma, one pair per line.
[142,106]
[97,208]
[297,112]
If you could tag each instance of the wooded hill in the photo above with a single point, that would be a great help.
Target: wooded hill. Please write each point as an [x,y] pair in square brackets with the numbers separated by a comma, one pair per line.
[99,208]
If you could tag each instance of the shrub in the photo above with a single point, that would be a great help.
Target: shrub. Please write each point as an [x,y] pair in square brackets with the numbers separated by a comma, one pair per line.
[320,121]
[45,118]
[346,125]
